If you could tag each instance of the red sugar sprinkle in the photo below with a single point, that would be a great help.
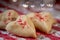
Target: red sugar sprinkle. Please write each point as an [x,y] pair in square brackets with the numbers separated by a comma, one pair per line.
[19,20]
[39,16]
[9,14]
[24,23]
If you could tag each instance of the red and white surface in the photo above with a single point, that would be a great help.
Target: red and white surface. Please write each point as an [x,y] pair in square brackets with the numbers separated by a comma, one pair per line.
[54,34]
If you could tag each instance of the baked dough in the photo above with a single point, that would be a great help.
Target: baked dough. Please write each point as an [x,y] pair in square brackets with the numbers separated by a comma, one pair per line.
[23,26]
[6,17]
[42,21]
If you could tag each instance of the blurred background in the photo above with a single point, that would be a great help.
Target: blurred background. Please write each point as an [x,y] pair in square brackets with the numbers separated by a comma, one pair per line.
[26,6]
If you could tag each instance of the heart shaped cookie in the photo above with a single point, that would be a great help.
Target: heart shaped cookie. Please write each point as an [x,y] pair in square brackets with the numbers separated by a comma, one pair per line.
[7,16]
[23,26]
[42,21]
